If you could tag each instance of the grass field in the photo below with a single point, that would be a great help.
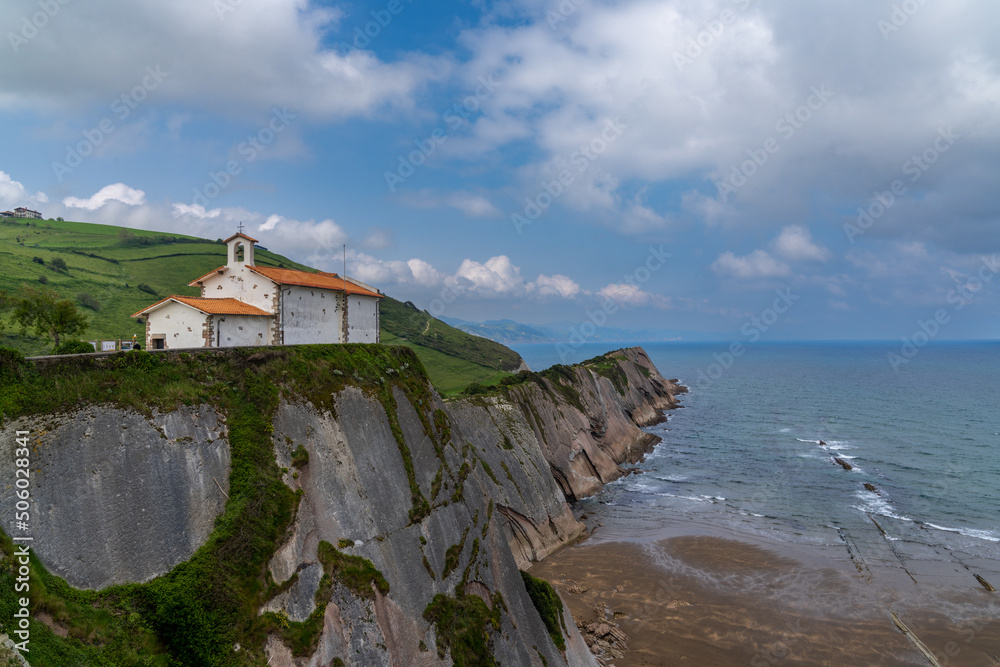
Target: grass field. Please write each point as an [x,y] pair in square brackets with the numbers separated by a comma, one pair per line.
[106,265]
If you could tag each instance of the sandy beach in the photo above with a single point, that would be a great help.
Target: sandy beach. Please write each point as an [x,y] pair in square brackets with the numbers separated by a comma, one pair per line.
[697,595]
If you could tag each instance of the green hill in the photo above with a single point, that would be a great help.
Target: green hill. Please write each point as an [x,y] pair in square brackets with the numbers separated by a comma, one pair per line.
[112,272]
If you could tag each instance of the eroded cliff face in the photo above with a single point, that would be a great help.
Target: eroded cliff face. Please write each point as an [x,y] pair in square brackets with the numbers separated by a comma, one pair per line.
[118,496]
[588,418]
[506,512]
[408,509]
[355,493]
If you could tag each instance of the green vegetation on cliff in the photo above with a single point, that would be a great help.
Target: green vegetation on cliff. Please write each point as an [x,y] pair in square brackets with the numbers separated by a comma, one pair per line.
[111,272]
[549,607]
[197,612]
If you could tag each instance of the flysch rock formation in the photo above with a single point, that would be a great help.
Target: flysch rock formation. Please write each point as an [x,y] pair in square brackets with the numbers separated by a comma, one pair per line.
[121,496]
[586,433]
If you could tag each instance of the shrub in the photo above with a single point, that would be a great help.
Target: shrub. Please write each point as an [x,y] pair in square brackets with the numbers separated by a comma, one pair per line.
[549,606]
[43,280]
[143,287]
[38,260]
[84,299]
[75,347]
[300,457]
[59,264]
[12,365]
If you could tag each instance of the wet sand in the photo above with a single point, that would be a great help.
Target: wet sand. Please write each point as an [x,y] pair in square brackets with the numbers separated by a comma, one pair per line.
[705,597]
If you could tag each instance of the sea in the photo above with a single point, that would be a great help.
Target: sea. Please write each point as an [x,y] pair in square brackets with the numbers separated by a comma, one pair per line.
[755,447]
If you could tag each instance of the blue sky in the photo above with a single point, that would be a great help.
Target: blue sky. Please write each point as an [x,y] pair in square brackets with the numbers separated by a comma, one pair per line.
[649,164]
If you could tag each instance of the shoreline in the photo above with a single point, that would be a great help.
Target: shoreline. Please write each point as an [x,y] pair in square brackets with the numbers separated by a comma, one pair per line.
[691,593]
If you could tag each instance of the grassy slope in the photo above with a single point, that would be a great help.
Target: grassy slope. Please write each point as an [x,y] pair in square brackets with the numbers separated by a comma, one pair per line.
[453,358]
[446,351]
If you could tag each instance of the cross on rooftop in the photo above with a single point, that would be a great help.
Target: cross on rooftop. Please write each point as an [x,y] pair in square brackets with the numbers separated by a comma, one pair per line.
[240,227]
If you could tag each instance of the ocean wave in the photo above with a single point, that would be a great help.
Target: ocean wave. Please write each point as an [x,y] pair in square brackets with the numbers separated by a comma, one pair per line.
[815,442]
[988,535]
[872,504]
[703,499]
[644,488]
[786,430]
[672,478]
[846,457]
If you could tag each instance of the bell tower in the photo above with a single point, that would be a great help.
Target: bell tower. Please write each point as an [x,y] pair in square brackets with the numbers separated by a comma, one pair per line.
[240,250]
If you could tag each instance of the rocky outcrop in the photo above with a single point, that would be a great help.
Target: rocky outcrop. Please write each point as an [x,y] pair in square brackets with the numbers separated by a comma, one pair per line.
[118,496]
[355,493]
[588,418]
[424,505]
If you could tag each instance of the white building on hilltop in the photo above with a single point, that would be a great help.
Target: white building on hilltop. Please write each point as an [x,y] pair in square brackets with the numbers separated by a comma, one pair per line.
[242,304]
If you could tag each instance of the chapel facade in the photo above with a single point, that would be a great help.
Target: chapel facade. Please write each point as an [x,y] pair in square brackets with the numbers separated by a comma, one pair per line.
[242,304]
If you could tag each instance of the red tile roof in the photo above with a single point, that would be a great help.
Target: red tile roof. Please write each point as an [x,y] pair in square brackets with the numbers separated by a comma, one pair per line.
[319,280]
[248,238]
[196,281]
[226,306]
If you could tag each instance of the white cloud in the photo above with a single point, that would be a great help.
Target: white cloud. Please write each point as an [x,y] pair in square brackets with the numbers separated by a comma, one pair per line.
[321,241]
[758,264]
[472,204]
[423,273]
[559,285]
[633,295]
[497,276]
[243,60]
[795,244]
[14,194]
[196,211]
[115,192]
[690,124]
[378,239]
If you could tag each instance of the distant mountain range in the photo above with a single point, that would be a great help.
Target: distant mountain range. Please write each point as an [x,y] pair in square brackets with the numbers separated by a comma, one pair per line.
[509,332]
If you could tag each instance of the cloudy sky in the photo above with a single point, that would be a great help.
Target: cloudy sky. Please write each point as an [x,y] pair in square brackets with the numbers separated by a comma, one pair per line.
[676,164]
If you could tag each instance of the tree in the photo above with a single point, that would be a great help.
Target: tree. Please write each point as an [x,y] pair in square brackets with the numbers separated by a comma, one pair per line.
[59,264]
[43,311]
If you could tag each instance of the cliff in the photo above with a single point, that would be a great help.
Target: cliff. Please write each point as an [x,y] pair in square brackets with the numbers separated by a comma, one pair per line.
[587,417]
[306,506]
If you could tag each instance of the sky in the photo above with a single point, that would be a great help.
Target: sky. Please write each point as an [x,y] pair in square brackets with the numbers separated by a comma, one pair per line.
[786,170]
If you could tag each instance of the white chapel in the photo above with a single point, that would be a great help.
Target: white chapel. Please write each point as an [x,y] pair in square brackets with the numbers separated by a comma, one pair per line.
[244,305]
